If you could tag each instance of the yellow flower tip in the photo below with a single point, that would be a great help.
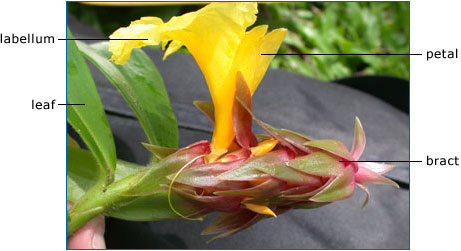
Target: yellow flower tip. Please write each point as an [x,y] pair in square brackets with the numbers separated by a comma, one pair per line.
[260,209]
[263,147]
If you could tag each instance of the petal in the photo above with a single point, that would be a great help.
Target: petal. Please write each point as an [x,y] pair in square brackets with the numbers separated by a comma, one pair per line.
[248,58]
[215,35]
[172,48]
[140,29]
[259,209]
[253,65]
[263,147]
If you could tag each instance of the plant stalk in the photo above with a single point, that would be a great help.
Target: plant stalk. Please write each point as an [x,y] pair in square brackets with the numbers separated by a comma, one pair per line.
[97,200]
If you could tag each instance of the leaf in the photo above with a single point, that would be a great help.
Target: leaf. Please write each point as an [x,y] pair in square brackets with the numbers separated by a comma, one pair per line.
[142,87]
[342,187]
[82,171]
[241,118]
[125,169]
[88,120]
[335,147]
[359,140]
[318,163]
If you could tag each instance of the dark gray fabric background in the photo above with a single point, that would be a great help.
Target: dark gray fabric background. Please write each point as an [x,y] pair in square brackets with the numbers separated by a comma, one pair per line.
[285,100]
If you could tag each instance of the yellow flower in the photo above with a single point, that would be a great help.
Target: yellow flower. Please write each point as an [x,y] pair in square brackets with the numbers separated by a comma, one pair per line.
[216,37]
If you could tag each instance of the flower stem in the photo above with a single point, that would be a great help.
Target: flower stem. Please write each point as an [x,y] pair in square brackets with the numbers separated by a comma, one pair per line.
[97,200]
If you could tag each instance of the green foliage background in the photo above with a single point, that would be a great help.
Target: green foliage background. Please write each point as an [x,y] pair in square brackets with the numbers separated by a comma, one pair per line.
[314,27]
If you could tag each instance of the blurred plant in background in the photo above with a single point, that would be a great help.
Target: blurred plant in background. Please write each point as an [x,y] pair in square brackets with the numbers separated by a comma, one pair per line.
[320,27]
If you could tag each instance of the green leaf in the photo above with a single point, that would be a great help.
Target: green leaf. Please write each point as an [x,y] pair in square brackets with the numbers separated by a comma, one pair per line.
[142,86]
[82,172]
[88,120]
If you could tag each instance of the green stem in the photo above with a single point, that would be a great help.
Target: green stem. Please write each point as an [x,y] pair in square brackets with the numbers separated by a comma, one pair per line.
[97,200]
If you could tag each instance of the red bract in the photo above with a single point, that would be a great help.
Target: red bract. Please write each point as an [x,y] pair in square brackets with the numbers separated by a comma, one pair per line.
[285,170]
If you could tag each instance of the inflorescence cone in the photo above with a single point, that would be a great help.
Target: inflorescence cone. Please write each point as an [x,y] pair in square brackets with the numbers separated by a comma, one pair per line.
[263,176]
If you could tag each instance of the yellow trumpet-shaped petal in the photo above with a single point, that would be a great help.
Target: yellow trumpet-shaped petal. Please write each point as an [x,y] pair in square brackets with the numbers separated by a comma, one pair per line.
[260,209]
[263,147]
[216,37]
